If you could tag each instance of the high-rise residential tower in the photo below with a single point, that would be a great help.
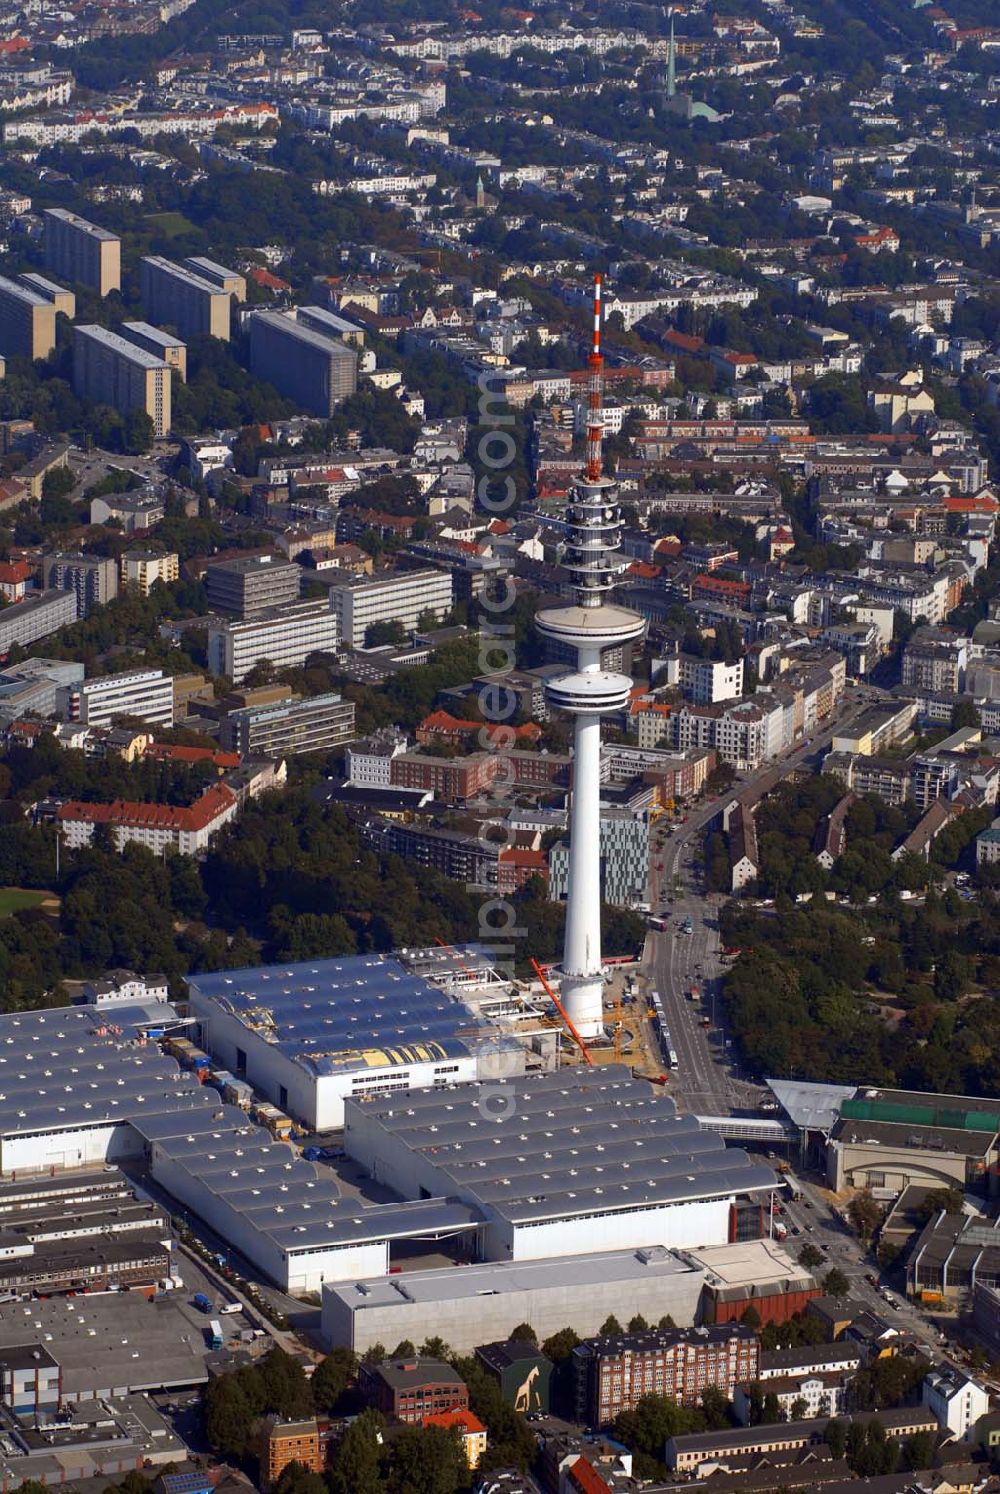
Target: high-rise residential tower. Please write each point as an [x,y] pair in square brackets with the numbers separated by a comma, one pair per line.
[590,625]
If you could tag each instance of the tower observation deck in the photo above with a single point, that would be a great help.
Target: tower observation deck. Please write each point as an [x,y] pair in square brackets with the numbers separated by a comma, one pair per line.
[590,625]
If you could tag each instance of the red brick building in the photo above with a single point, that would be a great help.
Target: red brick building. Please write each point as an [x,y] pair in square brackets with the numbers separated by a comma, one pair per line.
[612,1374]
[413,1389]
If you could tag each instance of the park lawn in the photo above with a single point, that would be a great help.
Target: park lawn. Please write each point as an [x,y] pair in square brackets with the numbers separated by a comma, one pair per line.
[13,899]
[170,225]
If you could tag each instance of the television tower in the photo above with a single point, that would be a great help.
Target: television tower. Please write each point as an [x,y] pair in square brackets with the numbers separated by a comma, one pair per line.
[589,692]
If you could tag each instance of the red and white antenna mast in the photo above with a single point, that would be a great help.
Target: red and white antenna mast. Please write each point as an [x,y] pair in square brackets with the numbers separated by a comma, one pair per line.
[595,417]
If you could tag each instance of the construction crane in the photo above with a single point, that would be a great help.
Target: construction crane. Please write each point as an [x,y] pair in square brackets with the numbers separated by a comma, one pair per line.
[562,1012]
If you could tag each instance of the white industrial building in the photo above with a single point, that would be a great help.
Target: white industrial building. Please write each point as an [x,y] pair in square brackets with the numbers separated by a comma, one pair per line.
[478,1304]
[312,1035]
[526,1168]
[552,1161]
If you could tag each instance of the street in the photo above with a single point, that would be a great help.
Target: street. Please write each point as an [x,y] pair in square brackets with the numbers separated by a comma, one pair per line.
[706,1079]
[818,1224]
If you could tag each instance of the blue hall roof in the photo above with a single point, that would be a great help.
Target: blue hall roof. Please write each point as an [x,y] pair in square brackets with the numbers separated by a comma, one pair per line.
[324,1014]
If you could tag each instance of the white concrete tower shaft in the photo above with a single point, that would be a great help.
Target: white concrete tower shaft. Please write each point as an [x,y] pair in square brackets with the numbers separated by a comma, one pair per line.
[589,626]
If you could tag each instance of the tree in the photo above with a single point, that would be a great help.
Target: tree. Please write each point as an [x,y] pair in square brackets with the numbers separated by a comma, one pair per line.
[654,1418]
[610,1327]
[379,633]
[964,713]
[229,1415]
[57,482]
[715,1408]
[435,1348]
[865,1213]
[139,432]
[355,1468]
[296,1478]
[918,1451]
[798,1409]
[405,1349]
[427,1460]
[524,1333]
[772,1410]
[284,1386]
[331,1378]
[835,1437]
[810,1256]
[637,1323]
[936,1200]
[561,1344]
[835,1283]
[751,1318]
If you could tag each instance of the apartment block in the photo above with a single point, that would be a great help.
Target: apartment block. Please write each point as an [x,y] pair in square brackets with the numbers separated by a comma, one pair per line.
[251,584]
[288,727]
[159,827]
[227,280]
[465,858]
[36,617]
[453,779]
[110,370]
[403,597]
[27,322]
[330,325]
[82,252]
[705,681]
[62,299]
[182,299]
[163,345]
[143,568]
[93,579]
[935,659]
[147,694]
[302,364]
[285,636]
[612,1374]
[283,1442]
[369,762]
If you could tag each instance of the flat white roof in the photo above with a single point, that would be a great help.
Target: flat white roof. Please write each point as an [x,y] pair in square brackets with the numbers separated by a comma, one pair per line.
[493,1278]
[757,1261]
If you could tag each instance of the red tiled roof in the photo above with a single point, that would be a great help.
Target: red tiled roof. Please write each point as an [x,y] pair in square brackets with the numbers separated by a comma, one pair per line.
[583,1476]
[12,571]
[468,1421]
[266,280]
[682,341]
[197,816]
[522,856]
[981,505]
[167,752]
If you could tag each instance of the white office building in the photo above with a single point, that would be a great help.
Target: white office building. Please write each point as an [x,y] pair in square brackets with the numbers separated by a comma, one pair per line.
[705,681]
[369,762]
[147,694]
[402,597]
[955,1400]
[285,636]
